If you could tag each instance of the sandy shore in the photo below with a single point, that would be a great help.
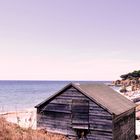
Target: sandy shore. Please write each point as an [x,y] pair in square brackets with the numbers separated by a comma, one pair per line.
[24,118]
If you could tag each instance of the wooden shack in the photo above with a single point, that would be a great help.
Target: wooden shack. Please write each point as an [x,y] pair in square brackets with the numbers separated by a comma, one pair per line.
[90,111]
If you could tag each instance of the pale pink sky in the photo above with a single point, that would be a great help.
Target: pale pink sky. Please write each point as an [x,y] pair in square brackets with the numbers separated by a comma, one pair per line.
[68,39]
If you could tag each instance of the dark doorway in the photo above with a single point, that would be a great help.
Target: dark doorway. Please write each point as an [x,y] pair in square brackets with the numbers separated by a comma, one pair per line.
[82,134]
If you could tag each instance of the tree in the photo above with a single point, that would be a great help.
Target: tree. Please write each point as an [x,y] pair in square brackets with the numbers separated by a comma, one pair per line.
[131,75]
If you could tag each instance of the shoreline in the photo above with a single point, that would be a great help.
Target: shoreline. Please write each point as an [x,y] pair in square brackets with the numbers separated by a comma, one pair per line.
[25,118]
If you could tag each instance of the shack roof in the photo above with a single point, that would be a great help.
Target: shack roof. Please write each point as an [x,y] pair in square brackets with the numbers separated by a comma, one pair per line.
[101,94]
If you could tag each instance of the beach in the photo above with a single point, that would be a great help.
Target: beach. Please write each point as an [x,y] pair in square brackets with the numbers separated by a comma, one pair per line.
[24,118]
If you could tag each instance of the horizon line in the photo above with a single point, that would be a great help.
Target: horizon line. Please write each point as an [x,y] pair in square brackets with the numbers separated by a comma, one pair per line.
[48,80]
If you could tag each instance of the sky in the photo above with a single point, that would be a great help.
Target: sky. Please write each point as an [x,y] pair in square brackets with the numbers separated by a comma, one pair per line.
[69,39]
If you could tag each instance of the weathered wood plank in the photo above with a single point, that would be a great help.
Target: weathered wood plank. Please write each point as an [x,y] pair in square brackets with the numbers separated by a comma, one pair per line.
[101,113]
[96,108]
[73,94]
[99,135]
[103,128]
[58,115]
[101,122]
[69,98]
[58,107]
[101,117]
[124,126]
[61,101]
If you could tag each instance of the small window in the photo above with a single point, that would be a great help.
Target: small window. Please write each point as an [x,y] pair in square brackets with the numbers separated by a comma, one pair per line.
[80,114]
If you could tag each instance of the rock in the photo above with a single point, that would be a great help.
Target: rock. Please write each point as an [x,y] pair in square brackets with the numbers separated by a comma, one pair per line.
[123,89]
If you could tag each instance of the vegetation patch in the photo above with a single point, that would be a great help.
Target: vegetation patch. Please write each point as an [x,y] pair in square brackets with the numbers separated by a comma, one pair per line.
[9,131]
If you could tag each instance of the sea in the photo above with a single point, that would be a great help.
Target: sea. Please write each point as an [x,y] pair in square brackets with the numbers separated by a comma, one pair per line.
[20,95]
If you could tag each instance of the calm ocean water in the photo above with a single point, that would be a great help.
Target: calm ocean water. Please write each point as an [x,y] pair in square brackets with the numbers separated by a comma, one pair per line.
[18,95]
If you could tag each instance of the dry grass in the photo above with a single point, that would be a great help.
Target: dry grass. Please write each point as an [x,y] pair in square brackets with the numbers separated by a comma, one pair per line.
[9,131]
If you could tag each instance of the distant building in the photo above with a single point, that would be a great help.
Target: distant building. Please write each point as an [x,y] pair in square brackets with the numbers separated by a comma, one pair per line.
[91,111]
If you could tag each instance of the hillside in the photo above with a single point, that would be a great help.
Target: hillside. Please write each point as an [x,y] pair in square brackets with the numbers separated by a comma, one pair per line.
[9,131]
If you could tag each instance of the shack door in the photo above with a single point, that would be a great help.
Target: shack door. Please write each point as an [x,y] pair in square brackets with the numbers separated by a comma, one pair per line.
[80,114]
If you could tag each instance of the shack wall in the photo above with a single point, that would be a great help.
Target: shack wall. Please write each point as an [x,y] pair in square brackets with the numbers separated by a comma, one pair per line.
[124,126]
[100,123]
[56,116]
